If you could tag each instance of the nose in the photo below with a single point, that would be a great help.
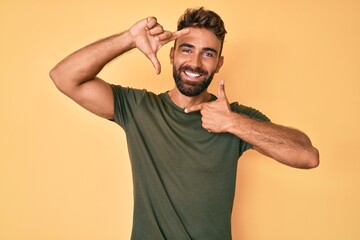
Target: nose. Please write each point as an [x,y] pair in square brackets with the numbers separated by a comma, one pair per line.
[195,61]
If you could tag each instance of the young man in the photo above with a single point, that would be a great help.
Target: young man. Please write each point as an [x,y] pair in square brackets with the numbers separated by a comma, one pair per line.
[184,144]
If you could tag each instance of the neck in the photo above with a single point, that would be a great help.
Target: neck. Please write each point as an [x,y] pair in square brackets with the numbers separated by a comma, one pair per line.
[184,101]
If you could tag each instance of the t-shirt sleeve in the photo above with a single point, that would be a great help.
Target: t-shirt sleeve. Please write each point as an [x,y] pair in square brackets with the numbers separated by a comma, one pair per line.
[126,101]
[252,113]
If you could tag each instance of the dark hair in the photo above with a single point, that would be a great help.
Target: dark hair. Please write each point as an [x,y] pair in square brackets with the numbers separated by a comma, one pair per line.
[201,18]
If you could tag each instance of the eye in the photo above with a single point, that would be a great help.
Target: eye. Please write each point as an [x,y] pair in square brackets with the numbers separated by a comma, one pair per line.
[186,50]
[209,54]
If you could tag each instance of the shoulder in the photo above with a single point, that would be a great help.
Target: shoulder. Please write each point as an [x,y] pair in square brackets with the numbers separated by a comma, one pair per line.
[118,89]
[248,111]
[130,93]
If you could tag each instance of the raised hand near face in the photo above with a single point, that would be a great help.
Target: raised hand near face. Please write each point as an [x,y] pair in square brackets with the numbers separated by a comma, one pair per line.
[149,36]
[216,115]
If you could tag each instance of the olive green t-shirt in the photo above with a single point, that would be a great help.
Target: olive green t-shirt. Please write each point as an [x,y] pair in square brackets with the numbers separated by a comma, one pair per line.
[183,176]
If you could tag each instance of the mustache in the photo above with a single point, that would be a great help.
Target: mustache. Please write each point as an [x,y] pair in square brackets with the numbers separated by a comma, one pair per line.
[193,70]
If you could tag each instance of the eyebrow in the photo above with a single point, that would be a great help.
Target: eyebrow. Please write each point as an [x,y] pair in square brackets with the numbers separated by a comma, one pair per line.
[192,46]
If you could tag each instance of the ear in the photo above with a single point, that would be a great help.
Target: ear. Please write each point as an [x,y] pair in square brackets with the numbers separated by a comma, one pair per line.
[171,55]
[220,63]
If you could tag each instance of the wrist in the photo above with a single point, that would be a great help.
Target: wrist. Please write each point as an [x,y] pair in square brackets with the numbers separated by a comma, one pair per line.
[230,124]
[130,39]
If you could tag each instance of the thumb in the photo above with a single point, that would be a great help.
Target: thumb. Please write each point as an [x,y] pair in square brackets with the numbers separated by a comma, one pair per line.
[155,62]
[221,90]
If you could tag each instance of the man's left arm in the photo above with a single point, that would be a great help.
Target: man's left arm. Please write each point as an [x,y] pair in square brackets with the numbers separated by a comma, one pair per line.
[286,145]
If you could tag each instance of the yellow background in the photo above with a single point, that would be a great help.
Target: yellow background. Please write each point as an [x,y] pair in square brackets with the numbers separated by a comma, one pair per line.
[65,173]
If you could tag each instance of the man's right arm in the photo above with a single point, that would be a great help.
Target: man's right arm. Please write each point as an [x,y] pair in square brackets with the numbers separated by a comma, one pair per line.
[76,75]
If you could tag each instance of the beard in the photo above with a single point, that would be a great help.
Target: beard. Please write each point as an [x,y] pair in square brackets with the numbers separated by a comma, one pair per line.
[192,88]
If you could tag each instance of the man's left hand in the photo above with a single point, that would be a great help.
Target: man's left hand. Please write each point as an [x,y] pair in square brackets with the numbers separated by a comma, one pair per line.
[216,115]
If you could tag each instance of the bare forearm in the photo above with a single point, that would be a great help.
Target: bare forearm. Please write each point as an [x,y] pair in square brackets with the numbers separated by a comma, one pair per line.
[287,145]
[84,64]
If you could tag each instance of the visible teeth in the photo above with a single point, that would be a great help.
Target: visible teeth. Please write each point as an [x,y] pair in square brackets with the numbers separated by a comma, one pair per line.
[190,74]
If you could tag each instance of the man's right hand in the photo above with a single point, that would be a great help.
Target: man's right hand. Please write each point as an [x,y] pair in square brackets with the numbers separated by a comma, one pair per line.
[149,36]
[76,75]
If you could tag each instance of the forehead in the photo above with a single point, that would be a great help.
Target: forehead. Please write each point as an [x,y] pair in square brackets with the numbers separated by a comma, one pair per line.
[200,38]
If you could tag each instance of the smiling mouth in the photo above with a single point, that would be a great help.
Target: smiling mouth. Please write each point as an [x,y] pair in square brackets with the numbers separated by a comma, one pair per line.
[192,74]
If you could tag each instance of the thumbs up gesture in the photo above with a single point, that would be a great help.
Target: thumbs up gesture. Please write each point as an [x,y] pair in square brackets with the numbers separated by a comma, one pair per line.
[216,115]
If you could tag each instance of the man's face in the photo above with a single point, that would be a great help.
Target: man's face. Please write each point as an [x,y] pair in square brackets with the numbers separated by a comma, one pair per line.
[195,60]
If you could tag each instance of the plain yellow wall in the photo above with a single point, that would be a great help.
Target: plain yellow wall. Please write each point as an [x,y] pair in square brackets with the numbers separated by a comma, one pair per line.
[65,173]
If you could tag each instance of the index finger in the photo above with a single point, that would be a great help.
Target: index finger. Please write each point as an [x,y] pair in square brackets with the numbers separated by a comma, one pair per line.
[166,36]
[180,33]
[193,108]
